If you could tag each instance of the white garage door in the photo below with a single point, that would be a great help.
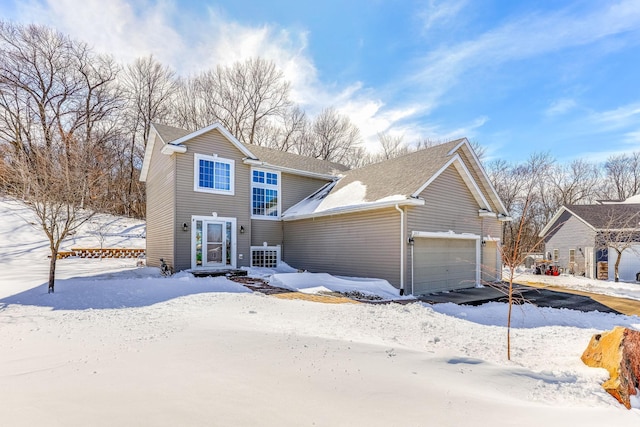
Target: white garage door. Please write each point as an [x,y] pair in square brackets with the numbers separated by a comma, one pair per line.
[442,264]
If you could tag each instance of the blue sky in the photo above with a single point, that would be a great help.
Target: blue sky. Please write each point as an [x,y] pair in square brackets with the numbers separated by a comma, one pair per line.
[516,76]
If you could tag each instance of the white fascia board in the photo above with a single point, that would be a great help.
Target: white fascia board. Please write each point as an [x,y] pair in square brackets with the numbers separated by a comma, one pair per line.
[445,235]
[483,213]
[466,177]
[148,151]
[292,171]
[223,131]
[169,149]
[496,197]
[356,208]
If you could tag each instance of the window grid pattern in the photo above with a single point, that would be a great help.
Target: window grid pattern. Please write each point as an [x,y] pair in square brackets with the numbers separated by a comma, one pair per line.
[267,257]
[264,194]
[214,175]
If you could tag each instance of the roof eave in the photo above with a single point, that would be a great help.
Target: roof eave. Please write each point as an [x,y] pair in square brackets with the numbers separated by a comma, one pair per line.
[169,149]
[356,208]
[255,162]
[148,151]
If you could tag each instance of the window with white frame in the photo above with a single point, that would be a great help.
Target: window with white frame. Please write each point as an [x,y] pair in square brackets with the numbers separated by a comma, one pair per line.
[265,194]
[213,174]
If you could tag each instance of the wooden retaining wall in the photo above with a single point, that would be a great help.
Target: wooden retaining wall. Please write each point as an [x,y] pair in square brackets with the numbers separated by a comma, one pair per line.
[101,253]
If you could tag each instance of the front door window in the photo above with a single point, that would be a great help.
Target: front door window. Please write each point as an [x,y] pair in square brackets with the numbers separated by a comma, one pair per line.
[213,242]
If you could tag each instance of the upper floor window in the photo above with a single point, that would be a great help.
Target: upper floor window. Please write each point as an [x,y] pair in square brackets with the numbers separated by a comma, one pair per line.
[213,174]
[265,194]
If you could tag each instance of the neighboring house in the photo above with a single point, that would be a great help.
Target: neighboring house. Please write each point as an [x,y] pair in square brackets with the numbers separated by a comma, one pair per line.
[581,239]
[426,222]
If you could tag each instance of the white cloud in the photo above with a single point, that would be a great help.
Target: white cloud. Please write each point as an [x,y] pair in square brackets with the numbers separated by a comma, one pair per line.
[527,37]
[560,107]
[439,13]
[621,117]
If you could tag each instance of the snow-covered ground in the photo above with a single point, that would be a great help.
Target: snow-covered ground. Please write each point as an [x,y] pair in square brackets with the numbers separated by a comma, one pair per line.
[120,345]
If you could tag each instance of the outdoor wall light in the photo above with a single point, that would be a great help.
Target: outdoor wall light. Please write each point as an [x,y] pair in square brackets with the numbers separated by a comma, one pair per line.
[242,229]
[484,243]
[185,226]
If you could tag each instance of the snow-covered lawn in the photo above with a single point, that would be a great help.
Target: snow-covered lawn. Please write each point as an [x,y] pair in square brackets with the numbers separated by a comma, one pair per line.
[120,345]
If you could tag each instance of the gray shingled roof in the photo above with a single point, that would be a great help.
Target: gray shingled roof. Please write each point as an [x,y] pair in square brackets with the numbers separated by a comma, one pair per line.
[170,133]
[609,216]
[402,175]
[267,155]
[296,161]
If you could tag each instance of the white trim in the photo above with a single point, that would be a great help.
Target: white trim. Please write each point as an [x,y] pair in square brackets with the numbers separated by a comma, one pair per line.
[234,239]
[458,236]
[292,171]
[483,213]
[466,177]
[356,208]
[483,172]
[445,235]
[196,174]
[146,162]
[265,186]
[277,249]
[223,131]
[169,149]
[402,245]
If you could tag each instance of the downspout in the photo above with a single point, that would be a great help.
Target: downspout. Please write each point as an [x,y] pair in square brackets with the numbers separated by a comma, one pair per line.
[401,249]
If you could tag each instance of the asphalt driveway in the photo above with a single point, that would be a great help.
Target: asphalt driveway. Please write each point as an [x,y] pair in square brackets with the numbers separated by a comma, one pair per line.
[541,296]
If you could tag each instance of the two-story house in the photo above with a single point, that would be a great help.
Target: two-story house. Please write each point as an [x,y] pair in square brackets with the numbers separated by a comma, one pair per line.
[427,221]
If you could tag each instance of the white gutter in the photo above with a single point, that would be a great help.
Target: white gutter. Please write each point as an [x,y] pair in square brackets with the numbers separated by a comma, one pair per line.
[354,208]
[401,249]
[290,170]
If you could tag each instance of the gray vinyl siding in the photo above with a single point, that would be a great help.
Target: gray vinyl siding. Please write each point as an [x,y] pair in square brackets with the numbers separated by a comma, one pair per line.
[364,244]
[190,202]
[486,190]
[294,188]
[490,269]
[266,231]
[449,205]
[568,233]
[160,188]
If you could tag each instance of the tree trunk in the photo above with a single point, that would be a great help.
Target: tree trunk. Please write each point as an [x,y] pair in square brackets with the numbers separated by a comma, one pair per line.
[509,315]
[616,265]
[52,270]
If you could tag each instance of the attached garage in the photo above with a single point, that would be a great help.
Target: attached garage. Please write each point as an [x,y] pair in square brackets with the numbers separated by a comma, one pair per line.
[444,261]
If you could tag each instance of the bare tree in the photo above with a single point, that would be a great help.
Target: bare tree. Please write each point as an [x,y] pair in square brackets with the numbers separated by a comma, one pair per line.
[623,174]
[54,93]
[53,194]
[243,97]
[574,183]
[334,137]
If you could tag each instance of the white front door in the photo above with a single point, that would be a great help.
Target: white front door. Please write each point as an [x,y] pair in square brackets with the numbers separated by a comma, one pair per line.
[213,242]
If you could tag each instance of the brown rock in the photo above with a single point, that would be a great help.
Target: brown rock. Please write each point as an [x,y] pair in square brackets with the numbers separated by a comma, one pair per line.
[617,351]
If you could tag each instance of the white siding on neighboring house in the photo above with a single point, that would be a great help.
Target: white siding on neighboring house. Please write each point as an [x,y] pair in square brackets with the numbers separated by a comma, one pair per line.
[569,233]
